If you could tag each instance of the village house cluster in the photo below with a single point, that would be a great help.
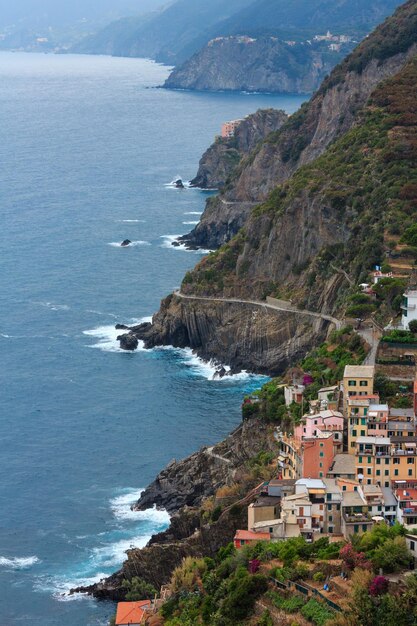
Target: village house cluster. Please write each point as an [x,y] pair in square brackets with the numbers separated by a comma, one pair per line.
[350,463]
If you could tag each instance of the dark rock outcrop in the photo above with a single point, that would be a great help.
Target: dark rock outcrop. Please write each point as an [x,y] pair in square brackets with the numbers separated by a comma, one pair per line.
[128,341]
[125,242]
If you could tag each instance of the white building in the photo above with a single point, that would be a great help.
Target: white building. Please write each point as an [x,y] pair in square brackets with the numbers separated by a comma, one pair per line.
[409,308]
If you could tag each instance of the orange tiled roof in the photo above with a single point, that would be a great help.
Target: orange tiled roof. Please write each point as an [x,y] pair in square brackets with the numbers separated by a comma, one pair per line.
[248,535]
[130,612]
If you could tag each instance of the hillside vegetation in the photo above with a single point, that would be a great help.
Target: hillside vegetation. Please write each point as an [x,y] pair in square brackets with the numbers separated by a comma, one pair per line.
[333,213]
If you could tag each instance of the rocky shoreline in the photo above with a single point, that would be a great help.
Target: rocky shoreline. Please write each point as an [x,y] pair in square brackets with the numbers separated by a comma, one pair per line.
[181,488]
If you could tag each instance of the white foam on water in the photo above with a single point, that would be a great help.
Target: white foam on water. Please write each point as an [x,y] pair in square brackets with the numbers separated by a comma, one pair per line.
[132,244]
[16,562]
[60,586]
[107,338]
[121,508]
[186,183]
[191,223]
[132,221]
[169,240]
[53,306]
[113,554]
[193,213]
[5,336]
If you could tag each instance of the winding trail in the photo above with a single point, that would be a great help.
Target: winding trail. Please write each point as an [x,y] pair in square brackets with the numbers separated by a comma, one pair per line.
[284,306]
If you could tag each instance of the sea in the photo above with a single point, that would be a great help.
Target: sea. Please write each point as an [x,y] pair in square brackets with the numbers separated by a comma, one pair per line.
[88,148]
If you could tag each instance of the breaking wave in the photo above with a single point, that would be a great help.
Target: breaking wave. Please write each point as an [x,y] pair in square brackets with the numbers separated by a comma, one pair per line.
[16,562]
[132,244]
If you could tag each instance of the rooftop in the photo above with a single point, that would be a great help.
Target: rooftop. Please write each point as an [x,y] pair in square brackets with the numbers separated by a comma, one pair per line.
[378,441]
[311,483]
[352,498]
[267,501]
[285,482]
[378,407]
[343,464]
[401,413]
[248,535]
[359,371]
[131,612]
[389,498]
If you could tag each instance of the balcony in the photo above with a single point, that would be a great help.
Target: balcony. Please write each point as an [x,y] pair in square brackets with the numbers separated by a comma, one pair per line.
[408,307]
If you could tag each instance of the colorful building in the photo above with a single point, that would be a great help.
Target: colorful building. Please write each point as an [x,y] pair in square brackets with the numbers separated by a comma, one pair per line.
[229,128]
[358,380]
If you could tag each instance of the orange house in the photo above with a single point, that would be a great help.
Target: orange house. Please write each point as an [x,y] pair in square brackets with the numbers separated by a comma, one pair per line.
[132,613]
[318,455]
[243,537]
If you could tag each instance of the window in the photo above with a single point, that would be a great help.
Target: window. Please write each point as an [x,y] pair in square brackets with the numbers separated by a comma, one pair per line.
[356,528]
[410,472]
[321,454]
[365,411]
[360,459]
[369,459]
[410,461]
[363,383]
[337,507]
[369,470]
[396,472]
[396,461]
[330,529]
[386,473]
[321,445]
[412,545]
[379,508]
[378,461]
[271,530]
[321,474]
[330,518]
[343,487]
[387,461]
[378,472]
[354,433]
[362,433]
[320,464]
[364,527]
[386,483]
[329,507]
[352,383]
[363,421]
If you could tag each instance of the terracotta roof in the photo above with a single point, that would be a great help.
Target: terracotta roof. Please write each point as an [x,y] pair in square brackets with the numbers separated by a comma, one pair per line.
[248,535]
[131,612]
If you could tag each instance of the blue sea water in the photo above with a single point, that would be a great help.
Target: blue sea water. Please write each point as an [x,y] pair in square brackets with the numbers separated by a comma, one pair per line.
[87,146]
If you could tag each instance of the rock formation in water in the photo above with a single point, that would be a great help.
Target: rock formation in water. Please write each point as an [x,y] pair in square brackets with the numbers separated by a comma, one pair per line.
[223,157]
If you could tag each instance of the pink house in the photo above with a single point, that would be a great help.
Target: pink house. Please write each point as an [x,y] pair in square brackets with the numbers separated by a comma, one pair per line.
[319,423]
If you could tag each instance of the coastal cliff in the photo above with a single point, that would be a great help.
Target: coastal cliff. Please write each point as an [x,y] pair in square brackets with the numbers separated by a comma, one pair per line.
[330,114]
[222,158]
[181,488]
[264,64]
[318,232]
[243,336]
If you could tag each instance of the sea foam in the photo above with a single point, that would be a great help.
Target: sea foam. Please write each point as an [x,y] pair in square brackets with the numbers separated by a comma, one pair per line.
[107,337]
[16,562]
[132,244]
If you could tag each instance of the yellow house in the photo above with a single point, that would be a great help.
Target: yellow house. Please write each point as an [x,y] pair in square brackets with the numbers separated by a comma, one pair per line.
[385,459]
[358,380]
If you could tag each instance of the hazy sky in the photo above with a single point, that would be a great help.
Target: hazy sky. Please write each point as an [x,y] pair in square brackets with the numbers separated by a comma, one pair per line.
[64,11]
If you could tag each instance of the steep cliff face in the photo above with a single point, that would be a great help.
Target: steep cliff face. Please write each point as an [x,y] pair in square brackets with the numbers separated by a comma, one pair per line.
[239,335]
[246,64]
[221,160]
[327,116]
[332,220]
[316,234]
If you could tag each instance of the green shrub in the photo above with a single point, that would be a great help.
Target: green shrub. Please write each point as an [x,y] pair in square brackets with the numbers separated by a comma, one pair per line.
[319,577]
[317,613]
